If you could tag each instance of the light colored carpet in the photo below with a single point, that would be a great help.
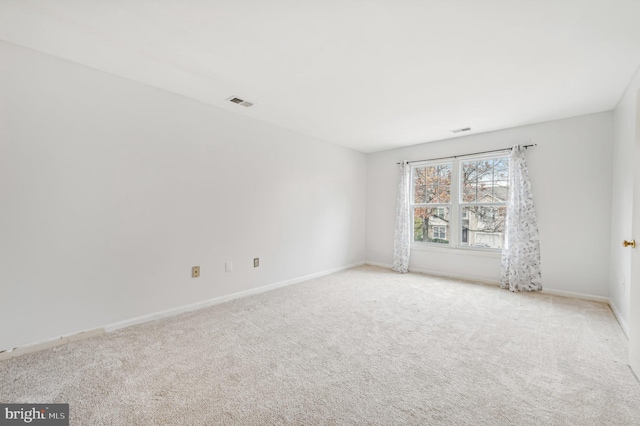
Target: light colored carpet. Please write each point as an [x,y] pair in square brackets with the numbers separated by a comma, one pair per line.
[364,346]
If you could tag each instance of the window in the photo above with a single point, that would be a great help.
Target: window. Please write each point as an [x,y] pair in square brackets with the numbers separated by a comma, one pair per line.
[440,232]
[431,202]
[461,203]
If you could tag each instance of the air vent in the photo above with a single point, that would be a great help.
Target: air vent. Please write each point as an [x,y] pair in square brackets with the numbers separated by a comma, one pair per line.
[464,129]
[240,101]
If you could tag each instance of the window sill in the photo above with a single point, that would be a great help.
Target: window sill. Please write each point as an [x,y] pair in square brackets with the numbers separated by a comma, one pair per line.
[456,250]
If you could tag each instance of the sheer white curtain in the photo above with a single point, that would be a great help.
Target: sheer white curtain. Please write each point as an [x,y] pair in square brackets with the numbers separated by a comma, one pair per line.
[402,240]
[521,252]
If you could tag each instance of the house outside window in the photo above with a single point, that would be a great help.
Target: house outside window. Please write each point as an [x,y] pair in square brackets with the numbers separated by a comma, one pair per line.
[460,203]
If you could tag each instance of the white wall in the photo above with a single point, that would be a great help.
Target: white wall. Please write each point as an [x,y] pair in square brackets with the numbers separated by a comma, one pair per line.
[624,120]
[112,190]
[570,170]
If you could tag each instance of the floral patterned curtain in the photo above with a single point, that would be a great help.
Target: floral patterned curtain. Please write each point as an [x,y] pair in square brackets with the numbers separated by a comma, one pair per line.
[521,252]
[402,239]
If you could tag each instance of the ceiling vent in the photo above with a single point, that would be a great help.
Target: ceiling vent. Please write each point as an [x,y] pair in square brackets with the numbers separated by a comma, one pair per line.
[464,129]
[240,101]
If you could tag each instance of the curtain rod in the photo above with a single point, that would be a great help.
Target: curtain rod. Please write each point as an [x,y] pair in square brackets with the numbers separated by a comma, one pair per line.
[472,153]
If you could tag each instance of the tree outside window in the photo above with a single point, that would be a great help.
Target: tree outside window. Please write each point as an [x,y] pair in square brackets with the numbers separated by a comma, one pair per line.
[431,202]
[464,199]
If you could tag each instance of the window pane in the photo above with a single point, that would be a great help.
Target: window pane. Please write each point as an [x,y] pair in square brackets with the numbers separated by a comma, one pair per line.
[431,192]
[469,193]
[500,191]
[484,192]
[485,181]
[468,181]
[501,169]
[431,224]
[419,185]
[484,170]
[443,194]
[483,226]
[419,194]
[432,184]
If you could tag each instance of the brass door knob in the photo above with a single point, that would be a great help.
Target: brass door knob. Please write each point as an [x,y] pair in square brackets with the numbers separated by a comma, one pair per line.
[631,243]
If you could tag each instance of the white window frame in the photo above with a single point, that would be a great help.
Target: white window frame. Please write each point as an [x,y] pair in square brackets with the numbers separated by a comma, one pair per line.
[454,232]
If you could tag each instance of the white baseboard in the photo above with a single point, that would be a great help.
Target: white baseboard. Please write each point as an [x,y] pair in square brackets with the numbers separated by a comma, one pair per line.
[462,277]
[381,265]
[50,343]
[573,295]
[57,341]
[221,299]
[621,321]
[482,280]
[42,345]
[475,279]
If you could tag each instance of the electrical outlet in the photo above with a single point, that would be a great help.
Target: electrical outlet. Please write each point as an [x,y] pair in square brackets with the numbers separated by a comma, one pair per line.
[228,266]
[256,262]
[195,272]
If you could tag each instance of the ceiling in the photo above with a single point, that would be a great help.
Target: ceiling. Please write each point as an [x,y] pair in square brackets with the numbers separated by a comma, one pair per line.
[366,74]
